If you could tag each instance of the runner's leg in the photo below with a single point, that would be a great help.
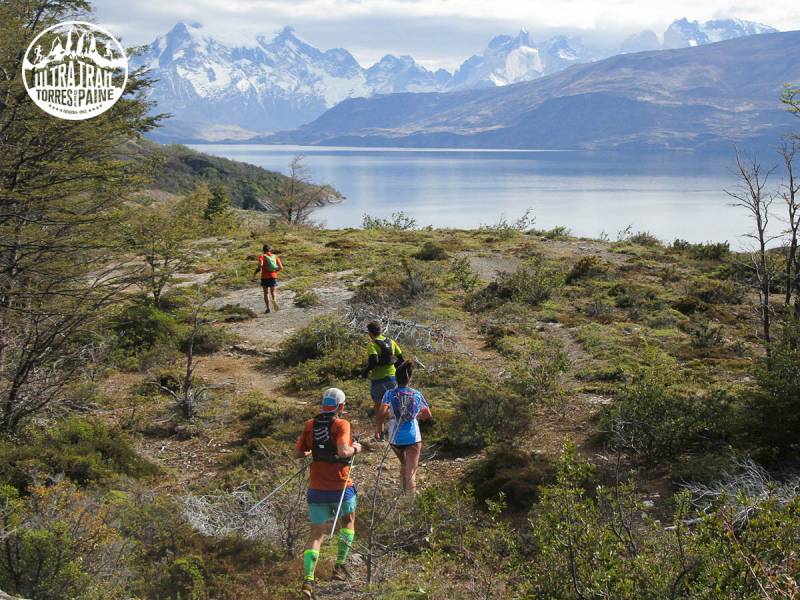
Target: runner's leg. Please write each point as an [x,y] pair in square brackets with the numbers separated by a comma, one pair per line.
[410,464]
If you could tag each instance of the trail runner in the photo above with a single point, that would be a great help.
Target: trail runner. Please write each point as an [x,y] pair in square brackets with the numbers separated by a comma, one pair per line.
[268,265]
[405,407]
[327,439]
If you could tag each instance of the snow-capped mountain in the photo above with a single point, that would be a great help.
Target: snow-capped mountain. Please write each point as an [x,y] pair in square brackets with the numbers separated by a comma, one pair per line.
[392,74]
[511,59]
[217,91]
[683,33]
[273,83]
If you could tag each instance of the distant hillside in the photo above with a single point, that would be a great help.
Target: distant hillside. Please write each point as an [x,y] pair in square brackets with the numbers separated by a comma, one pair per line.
[699,98]
[179,169]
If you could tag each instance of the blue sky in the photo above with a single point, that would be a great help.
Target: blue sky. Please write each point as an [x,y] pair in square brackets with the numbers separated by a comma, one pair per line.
[435,32]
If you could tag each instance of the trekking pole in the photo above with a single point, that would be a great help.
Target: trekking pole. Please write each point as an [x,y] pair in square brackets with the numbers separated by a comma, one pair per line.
[419,362]
[341,498]
[279,488]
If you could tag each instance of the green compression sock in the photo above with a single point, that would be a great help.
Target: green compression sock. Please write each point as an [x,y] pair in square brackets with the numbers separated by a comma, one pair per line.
[310,558]
[345,541]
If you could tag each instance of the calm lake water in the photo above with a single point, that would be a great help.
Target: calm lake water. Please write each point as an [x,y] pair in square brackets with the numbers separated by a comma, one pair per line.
[670,195]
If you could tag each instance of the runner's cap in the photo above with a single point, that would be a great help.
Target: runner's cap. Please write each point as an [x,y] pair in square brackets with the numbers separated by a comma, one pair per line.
[331,399]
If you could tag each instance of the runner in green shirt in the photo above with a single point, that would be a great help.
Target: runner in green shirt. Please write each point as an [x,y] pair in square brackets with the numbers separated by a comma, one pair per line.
[383,358]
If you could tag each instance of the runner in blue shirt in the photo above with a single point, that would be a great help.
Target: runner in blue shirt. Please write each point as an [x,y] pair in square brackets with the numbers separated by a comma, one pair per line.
[404,406]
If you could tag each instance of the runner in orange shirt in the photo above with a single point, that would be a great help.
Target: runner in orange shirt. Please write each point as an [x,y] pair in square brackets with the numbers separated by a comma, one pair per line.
[327,438]
[268,265]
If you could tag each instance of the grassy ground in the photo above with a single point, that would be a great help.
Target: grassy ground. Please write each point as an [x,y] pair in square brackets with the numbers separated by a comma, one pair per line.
[608,310]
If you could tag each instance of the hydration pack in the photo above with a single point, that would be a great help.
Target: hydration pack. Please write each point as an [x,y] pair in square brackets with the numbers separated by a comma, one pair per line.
[385,354]
[269,264]
[323,446]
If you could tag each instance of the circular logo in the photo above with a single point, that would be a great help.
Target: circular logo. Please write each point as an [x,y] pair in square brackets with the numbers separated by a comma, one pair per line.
[75,70]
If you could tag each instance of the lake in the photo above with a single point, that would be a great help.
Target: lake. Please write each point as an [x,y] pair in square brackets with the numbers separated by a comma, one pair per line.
[669,195]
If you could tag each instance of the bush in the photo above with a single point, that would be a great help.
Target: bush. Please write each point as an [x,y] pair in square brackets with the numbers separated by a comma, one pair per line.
[512,473]
[587,266]
[707,335]
[461,275]
[487,413]
[657,422]
[207,340]
[773,411]
[84,450]
[396,283]
[713,291]
[504,229]
[58,543]
[140,327]
[398,221]
[431,251]
[324,335]
[307,299]
[265,419]
[707,251]
[532,283]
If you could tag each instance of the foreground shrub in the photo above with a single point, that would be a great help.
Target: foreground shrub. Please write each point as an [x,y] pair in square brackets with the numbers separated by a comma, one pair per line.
[58,544]
[84,450]
[657,421]
[397,221]
[398,283]
[773,410]
[511,475]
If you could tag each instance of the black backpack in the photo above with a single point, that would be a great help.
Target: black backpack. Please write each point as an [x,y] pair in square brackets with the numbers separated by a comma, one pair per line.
[323,448]
[385,354]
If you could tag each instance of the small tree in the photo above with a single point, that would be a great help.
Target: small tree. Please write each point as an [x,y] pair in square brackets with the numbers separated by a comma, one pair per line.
[219,202]
[298,197]
[753,197]
[161,234]
[789,192]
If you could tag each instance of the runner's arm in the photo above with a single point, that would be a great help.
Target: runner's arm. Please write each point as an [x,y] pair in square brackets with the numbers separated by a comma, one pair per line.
[301,449]
[343,449]
[280,264]
[372,362]
[258,266]
[424,411]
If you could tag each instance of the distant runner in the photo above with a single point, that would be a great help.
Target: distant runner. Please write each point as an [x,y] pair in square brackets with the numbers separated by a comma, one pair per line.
[405,407]
[383,358]
[268,265]
[327,438]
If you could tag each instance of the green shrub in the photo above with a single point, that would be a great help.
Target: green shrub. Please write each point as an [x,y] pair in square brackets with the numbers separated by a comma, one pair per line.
[141,327]
[398,221]
[657,421]
[713,291]
[58,543]
[707,335]
[559,232]
[398,283]
[85,450]
[207,340]
[703,251]
[431,251]
[461,275]
[324,335]
[307,299]
[265,419]
[773,410]
[505,229]
[587,266]
[532,283]
[185,578]
[487,412]
[511,473]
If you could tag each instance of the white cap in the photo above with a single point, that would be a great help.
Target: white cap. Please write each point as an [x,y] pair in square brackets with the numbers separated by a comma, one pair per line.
[332,398]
